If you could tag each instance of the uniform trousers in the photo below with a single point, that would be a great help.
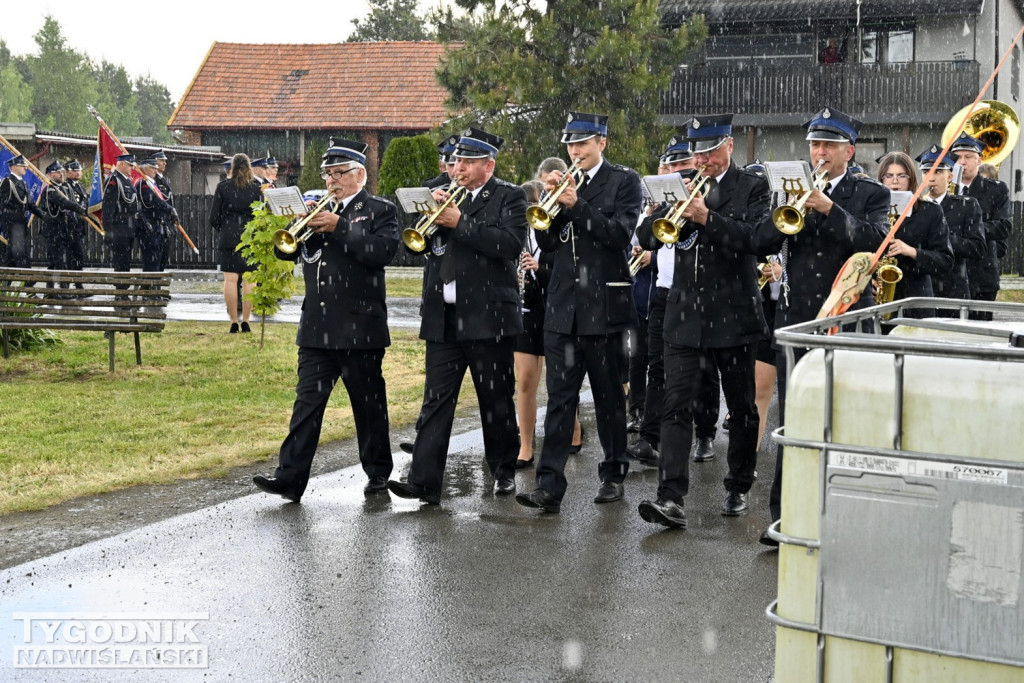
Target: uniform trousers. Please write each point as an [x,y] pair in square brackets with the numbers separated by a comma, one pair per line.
[18,247]
[491,365]
[76,248]
[151,244]
[567,358]
[57,238]
[705,406]
[982,296]
[638,363]
[683,369]
[121,236]
[319,371]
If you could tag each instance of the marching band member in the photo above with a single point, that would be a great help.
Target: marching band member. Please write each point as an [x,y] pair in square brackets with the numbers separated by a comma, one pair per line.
[470,317]
[121,212]
[589,308]
[445,163]
[921,245]
[343,331]
[76,238]
[155,216]
[713,310]
[848,216]
[15,200]
[966,227]
[994,198]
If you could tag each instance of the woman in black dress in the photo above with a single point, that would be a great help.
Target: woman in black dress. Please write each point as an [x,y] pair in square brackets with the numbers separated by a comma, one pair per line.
[921,245]
[231,210]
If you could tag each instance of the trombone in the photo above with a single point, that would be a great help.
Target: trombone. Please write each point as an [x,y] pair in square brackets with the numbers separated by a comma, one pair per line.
[416,237]
[667,228]
[789,218]
[288,240]
[540,216]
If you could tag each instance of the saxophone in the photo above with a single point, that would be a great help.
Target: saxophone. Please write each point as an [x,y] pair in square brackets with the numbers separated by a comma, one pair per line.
[888,273]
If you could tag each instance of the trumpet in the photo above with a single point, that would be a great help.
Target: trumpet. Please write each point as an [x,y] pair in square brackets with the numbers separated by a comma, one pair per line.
[789,218]
[541,215]
[667,228]
[764,272]
[288,240]
[636,263]
[416,237]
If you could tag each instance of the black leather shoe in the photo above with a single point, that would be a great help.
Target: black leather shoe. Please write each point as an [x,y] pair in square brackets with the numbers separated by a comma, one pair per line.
[539,498]
[406,447]
[376,484]
[245,327]
[505,486]
[727,423]
[275,486]
[705,449]
[608,492]
[523,464]
[664,512]
[633,426]
[767,540]
[231,330]
[643,452]
[735,504]
[404,489]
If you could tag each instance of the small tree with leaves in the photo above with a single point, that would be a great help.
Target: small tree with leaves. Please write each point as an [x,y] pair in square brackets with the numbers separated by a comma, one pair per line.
[273,276]
[407,163]
[310,178]
[390,20]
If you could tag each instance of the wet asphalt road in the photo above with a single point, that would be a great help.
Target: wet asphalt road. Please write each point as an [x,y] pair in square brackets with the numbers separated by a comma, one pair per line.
[344,587]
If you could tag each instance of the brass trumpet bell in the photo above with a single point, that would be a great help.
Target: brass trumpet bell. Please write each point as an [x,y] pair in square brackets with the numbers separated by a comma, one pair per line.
[288,239]
[789,220]
[668,228]
[540,216]
[416,237]
[993,123]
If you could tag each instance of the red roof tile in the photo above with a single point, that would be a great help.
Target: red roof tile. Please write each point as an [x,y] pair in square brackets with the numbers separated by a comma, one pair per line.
[338,86]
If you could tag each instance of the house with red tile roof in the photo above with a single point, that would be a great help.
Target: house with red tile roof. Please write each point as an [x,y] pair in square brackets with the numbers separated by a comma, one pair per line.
[258,98]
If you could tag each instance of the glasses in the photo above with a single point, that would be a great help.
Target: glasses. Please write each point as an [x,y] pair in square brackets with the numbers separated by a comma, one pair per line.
[324,175]
[896,176]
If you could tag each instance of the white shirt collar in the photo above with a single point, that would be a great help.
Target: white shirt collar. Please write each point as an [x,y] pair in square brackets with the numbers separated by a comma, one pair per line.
[593,172]
[835,181]
[347,200]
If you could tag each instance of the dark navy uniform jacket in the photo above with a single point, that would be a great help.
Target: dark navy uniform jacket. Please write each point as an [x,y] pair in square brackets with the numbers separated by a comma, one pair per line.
[590,290]
[967,240]
[994,198]
[857,222]
[484,249]
[714,301]
[345,305]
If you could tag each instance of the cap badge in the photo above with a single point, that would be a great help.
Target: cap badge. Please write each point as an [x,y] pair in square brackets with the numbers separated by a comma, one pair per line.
[673,142]
[825,113]
[568,119]
[934,149]
[696,124]
[467,133]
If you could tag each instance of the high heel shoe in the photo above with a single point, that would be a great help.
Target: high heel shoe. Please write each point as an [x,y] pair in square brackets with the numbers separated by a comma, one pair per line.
[233,329]
[246,328]
[576,448]
[523,464]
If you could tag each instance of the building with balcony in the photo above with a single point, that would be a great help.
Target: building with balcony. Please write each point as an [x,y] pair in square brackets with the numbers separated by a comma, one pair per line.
[904,68]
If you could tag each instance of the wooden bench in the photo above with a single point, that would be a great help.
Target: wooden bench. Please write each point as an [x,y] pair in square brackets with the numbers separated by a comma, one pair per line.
[83,300]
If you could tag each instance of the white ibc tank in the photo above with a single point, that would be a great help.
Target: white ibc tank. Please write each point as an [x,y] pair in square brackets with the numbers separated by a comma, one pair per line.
[915,564]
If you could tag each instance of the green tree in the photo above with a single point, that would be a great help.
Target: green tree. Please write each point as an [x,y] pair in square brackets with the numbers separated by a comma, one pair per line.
[310,178]
[62,83]
[390,20]
[116,99]
[273,276]
[15,95]
[155,108]
[407,163]
[522,69]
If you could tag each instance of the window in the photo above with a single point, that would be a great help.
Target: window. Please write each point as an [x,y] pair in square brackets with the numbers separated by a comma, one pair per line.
[901,47]
[892,47]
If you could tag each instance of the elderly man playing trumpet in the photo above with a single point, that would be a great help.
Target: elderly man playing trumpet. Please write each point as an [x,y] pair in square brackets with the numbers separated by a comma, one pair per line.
[343,331]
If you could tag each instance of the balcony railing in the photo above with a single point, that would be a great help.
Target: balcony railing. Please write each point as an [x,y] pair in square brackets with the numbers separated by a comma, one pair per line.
[857,89]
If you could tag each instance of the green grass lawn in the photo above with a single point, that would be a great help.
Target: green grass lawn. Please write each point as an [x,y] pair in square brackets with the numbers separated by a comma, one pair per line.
[202,402]
[405,283]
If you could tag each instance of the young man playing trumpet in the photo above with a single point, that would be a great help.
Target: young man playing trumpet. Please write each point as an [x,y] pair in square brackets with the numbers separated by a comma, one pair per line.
[343,330]
[589,308]
[470,318]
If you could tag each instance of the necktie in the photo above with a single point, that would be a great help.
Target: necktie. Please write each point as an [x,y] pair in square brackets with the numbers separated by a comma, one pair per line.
[583,184]
[711,197]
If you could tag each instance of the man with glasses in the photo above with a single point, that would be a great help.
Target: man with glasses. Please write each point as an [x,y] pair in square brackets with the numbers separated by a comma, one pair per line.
[470,319]
[343,331]
[849,215]
[713,315]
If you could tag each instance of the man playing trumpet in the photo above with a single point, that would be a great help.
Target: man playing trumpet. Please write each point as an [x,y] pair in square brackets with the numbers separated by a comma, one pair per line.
[713,312]
[589,308]
[470,318]
[343,330]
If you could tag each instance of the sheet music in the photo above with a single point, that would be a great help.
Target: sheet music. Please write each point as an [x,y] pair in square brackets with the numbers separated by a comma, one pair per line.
[898,200]
[958,174]
[416,199]
[285,201]
[791,177]
[666,188]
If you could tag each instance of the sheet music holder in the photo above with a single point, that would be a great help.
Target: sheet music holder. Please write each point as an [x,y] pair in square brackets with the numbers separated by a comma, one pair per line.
[285,201]
[416,199]
[666,188]
[791,177]
[898,200]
